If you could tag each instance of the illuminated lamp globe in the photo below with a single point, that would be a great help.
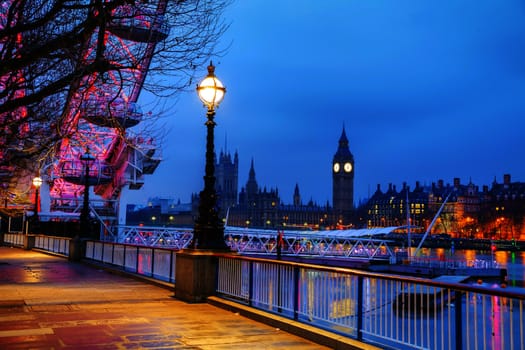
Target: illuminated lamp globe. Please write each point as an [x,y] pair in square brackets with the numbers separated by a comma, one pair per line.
[210,90]
[37,181]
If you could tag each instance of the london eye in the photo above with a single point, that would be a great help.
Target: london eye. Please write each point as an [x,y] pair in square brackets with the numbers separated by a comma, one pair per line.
[104,112]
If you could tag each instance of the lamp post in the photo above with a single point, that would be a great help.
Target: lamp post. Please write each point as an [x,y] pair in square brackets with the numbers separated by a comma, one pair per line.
[37,182]
[87,160]
[5,191]
[208,232]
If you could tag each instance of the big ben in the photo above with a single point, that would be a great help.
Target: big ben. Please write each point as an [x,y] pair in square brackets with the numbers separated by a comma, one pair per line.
[343,168]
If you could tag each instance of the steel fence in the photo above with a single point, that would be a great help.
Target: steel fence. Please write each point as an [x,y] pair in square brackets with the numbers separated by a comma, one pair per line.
[15,239]
[58,245]
[158,263]
[389,311]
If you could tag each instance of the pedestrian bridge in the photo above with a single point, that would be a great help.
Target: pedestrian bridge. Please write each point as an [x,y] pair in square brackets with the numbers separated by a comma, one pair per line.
[367,244]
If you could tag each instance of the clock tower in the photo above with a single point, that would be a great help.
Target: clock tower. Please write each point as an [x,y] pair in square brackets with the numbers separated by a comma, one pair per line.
[343,181]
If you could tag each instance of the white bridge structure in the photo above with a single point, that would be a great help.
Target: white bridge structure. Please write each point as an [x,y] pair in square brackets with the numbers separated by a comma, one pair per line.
[364,244]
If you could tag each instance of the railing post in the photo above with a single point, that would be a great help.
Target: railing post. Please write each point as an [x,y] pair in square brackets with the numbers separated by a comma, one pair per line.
[360,308]
[296,275]
[124,258]
[216,276]
[171,266]
[458,319]
[279,293]
[137,260]
[152,261]
[250,283]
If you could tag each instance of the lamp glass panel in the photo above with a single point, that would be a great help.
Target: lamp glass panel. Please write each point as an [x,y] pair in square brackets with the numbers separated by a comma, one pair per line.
[37,181]
[211,91]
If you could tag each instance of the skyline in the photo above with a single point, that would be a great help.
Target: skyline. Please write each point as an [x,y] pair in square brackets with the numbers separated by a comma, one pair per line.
[425,91]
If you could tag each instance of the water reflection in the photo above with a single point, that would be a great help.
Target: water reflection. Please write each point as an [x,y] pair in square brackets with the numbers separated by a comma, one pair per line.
[514,262]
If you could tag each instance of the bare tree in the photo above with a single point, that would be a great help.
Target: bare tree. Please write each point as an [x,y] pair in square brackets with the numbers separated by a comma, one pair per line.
[57,54]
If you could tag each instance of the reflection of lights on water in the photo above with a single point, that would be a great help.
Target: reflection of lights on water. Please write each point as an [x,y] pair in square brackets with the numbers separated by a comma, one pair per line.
[470,255]
[501,257]
[513,261]
[496,330]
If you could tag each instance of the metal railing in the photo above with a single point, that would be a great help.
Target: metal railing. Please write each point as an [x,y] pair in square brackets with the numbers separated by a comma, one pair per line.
[452,263]
[58,245]
[243,240]
[158,263]
[386,310]
[15,239]
[167,237]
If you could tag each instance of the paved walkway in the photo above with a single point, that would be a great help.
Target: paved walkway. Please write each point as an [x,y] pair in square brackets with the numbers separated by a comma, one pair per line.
[47,302]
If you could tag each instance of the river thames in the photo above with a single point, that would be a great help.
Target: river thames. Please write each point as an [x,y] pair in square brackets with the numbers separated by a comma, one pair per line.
[513,261]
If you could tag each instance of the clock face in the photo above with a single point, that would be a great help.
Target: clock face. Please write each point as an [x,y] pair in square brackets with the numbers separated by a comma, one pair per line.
[337,167]
[348,167]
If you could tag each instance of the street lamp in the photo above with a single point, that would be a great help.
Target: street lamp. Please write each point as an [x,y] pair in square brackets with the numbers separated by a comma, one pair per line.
[5,187]
[208,232]
[87,160]
[37,182]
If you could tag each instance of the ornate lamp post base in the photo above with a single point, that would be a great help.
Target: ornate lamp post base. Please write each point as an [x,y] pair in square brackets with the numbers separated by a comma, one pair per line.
[76,249]
[195,275]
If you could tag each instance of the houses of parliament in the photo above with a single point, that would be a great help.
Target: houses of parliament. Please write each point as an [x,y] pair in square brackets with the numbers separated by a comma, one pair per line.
[467,211]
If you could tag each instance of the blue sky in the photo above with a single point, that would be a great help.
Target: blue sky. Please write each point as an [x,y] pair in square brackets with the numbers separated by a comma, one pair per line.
[427,90]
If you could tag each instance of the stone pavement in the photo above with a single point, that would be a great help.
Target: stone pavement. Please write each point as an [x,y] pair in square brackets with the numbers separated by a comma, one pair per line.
[47,302]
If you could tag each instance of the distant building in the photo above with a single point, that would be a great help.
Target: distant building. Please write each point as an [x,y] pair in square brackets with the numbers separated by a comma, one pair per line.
[256,207]
[343,169]
[161,212]
[390,208]
[263,208]
[504,209]
[496,212]
[226,181]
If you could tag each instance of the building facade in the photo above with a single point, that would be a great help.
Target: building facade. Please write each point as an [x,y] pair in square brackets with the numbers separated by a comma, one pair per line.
[497,212]
[226,181]
[263,208]
[492,212]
